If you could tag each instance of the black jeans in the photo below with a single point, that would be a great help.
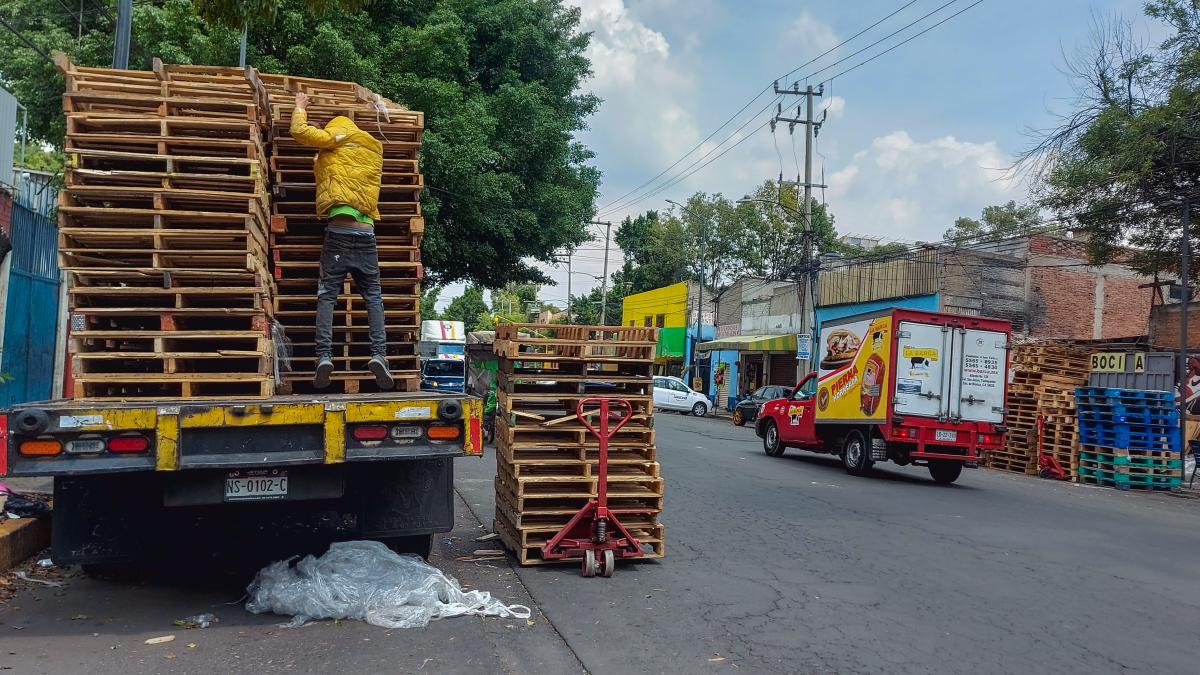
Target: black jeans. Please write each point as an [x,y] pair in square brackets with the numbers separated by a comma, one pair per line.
[356,255]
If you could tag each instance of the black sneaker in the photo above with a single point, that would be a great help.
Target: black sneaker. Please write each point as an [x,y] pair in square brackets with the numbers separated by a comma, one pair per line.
[379,367]
[324,370]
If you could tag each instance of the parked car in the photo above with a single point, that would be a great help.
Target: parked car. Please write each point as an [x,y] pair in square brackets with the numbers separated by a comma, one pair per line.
[747,409]
[670,393]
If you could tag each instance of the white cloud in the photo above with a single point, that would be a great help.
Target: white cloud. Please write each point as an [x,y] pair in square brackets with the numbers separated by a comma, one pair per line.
[899,187]
[834,106]
[809,36]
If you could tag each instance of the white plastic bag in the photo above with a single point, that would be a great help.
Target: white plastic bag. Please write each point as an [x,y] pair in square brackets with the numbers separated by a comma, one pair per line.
[365,580]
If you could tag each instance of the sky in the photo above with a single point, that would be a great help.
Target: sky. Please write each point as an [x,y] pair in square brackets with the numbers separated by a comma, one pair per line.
[912,140]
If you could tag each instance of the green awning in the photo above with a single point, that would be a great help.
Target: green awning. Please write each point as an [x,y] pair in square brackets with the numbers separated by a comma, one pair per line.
[752,343]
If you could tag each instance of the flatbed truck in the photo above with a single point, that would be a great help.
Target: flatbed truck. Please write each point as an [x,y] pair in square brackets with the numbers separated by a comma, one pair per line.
[133,479]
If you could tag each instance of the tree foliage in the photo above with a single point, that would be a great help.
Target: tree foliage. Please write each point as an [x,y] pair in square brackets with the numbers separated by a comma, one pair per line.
[498,80]
[1129,149]
[775,238]
[469,308]
[1002,220]
[429,298]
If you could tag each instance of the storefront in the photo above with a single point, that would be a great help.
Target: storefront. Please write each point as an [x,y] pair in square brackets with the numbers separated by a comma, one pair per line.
[743,363]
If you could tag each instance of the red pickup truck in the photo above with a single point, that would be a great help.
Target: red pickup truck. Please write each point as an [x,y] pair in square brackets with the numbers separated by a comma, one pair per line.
[908,386]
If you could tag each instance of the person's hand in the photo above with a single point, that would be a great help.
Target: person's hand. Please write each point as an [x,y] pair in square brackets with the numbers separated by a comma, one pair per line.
[301,100]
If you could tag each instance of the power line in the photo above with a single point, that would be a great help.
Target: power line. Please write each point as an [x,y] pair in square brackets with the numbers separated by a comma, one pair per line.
[26,40]
[609,205]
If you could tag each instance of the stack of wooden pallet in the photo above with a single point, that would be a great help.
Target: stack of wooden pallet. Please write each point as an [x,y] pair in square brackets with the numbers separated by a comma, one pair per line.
[163,233]
[1043,385]
[297,231]
[546,458]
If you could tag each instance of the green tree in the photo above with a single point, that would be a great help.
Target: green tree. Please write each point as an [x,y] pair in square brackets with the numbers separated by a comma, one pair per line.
[469,308]
[1004,220]
[429,298]
[498,80]
[1128,149]
[775,238]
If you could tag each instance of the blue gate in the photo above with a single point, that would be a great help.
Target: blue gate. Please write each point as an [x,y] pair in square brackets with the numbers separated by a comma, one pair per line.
[30,317]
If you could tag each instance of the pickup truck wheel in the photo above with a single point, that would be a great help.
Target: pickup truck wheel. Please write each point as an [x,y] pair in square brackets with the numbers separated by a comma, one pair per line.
[945,471]
[771,444]
[856,457]
[421,545]
[738,418]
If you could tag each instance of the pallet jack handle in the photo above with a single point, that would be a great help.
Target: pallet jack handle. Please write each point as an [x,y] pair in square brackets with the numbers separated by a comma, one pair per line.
[604,433]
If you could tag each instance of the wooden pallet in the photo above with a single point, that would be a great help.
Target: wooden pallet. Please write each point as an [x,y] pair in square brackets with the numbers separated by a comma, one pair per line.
[530,553]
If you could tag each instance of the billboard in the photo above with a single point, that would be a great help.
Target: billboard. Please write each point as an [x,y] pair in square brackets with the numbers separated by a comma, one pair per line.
[852,376]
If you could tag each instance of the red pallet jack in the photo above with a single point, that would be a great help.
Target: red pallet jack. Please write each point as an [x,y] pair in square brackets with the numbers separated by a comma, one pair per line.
[1048,466]
[590,533]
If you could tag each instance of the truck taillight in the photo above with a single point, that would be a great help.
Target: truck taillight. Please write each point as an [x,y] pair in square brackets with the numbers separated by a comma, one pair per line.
[988,439]
[132,443]
[40,447]
[438,432]
[370,433]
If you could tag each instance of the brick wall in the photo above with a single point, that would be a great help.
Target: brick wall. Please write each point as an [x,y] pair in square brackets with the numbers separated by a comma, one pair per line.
[6,204]
[1062,303]
[1126,307]
[1164,326]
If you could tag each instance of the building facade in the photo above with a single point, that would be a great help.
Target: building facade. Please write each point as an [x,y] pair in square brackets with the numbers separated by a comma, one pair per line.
[673,310]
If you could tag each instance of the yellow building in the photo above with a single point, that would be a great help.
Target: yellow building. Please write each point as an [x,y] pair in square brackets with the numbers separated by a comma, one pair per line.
[668,309]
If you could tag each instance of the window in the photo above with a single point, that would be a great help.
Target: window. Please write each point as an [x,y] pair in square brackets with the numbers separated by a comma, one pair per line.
[660,320]
[678,386]
[660,383]
[445,368]
[632,322]
[807,391]
[646,321]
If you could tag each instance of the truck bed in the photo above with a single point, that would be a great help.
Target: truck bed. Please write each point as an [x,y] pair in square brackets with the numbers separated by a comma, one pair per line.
[282,399]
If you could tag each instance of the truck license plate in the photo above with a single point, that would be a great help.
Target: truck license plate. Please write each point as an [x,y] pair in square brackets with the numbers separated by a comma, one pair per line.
[945,435]
[254,487]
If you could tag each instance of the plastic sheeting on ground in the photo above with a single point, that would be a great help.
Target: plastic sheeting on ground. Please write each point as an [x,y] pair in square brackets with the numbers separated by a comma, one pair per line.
[365,580]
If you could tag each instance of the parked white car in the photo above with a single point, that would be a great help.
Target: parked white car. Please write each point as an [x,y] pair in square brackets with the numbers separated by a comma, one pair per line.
[670,393]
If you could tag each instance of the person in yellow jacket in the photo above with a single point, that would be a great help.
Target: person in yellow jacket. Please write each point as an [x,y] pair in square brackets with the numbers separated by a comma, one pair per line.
[348,168]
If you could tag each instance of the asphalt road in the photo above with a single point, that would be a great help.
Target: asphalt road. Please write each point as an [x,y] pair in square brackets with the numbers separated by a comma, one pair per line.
[772,565]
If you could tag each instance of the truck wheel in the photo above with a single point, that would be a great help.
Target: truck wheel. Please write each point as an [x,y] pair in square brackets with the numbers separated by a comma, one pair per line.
[421,545]
[771,444]
[856,457]
[945,471]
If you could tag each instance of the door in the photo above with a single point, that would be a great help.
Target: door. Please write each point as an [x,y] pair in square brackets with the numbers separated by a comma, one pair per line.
[783,370]
[679,395]
[977,384]
[921,372]
[29,313]
[798,426]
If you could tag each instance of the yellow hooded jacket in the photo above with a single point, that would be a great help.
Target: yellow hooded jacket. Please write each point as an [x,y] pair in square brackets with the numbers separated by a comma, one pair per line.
[349,166]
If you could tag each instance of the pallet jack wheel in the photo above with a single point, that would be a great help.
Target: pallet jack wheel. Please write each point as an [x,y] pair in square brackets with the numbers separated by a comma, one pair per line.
[588,567]
[610,563]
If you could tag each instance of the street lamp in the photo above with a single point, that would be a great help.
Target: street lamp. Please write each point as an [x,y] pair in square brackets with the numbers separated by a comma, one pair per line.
[700,298]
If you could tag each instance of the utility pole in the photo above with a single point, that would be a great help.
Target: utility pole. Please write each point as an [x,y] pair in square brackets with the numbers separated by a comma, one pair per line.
[808,273]
[569,320]
[604,281]
[242,46]
[124,27]
[1185,255]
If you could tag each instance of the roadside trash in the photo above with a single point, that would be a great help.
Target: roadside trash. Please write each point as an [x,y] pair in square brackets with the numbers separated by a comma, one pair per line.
[24,576]
[365,580]
[197,621]
[488,537]
[21,506]
[45,562]
[161,639]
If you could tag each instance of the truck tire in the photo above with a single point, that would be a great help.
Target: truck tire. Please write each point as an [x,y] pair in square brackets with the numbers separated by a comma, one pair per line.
[856,456]
[771,443]
[421,545]
[945,471]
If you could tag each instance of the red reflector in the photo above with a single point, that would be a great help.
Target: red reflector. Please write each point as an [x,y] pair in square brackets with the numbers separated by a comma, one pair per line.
[369,433]
[128,444]
[443,433]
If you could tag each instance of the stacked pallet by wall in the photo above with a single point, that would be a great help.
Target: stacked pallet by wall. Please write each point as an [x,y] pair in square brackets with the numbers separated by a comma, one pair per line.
[163,233]
[546,459]
[1129,438]
[297,234]
[1043,385]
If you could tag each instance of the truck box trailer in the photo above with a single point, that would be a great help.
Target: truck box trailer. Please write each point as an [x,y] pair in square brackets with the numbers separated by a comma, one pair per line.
[906,386]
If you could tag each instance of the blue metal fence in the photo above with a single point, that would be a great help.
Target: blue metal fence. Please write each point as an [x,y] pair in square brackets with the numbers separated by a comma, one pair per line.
[30,309]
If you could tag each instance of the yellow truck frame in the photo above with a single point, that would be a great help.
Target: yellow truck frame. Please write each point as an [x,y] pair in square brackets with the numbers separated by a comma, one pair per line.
[126,473]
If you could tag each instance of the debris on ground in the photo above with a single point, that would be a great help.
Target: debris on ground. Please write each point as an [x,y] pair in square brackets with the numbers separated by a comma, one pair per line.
[22,506]
[160,639]
[196,621]
[24,576]
[488,537]
[365,580]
